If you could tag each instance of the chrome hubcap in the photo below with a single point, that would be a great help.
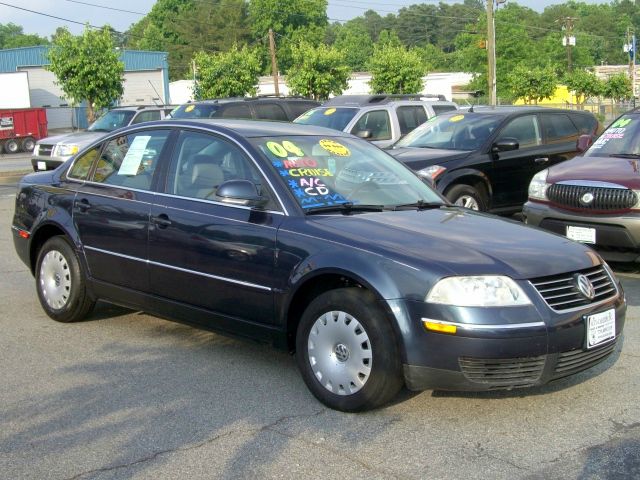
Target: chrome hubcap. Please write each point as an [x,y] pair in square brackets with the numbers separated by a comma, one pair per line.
[468,201]
[55,279]
[340,353]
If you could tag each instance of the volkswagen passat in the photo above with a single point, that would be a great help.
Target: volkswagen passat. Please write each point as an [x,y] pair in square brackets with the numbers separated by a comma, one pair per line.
[321,244]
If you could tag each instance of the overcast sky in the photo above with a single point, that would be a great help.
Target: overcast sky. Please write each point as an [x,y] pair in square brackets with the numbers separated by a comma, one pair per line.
[79,11]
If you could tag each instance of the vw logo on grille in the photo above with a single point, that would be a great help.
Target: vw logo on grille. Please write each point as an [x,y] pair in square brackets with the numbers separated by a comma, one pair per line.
[585,286]
[587,198]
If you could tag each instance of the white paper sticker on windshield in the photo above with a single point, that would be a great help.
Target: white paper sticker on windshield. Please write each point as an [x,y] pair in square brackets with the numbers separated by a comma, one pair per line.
[132,160]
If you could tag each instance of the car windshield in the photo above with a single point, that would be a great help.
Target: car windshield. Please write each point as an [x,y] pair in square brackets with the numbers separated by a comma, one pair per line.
[330,117]
[622,138]
[459,131]
[322,171]
[192,110]
[112,120]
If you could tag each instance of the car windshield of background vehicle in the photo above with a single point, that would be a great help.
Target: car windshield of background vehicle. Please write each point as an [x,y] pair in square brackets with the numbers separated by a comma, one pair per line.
[458,131]
[112,120]
[332,171]
[192,110]
[622,138]
[334,118]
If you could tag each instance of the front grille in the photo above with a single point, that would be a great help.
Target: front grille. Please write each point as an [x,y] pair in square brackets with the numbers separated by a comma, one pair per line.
[577,360]
[503,373]
[45,150]
[604,198]
[561,291]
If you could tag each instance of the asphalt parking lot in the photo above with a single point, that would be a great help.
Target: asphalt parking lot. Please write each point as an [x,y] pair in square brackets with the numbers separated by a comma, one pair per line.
[128,395]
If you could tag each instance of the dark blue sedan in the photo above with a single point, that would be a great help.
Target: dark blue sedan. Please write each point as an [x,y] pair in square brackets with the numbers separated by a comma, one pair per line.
[321,244]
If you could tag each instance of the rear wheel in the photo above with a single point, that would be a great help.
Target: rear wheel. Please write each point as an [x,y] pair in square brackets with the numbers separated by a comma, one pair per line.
[28,144]
[346,351]
[60,282]
[11,146]
[467,196]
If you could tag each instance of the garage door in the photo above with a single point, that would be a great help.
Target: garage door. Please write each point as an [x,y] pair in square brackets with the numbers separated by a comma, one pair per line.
[143,88]
[45,93]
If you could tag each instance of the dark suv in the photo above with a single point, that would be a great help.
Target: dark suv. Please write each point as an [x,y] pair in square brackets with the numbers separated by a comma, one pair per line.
[484,159]
[257,108]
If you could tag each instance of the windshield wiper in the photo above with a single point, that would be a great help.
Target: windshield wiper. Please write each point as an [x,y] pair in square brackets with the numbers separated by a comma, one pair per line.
[345,208]
[625,155]
[100,130]
[420,205]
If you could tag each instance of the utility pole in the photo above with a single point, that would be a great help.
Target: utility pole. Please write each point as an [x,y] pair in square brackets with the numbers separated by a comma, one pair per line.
[630,48]
[491,53]
[568,40]
[274,64]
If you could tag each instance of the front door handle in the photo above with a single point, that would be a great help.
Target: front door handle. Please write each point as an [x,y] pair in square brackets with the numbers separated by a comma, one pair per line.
[162,220]
[83,205]
[541,160]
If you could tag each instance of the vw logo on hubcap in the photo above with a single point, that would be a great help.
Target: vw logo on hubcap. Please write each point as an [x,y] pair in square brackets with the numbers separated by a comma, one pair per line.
[587,198]
[342,352]
[585,286]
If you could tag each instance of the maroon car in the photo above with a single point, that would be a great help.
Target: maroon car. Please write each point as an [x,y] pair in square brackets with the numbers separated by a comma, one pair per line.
[595,198]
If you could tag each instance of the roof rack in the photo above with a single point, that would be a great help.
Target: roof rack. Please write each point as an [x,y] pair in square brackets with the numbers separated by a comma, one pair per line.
[382,98]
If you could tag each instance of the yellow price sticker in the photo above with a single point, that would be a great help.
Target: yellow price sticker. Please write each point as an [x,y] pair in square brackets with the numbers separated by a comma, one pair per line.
[334,147]
[189,108]
[330,111]
[456,118]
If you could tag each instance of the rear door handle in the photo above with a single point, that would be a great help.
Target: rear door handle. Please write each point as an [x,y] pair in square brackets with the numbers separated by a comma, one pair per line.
[541,160]
[162,220]
[83,205]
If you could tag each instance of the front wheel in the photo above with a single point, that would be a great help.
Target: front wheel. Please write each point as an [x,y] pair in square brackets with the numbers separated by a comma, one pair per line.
[60,282]
[467,196]
[346,351]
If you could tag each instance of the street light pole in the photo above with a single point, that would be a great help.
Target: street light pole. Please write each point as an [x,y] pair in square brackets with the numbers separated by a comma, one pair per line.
[491,53]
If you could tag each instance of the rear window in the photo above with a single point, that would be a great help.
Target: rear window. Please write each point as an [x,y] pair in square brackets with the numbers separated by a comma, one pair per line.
[270,111]
[558,127]
[409,117]
[586,123]
[336,118]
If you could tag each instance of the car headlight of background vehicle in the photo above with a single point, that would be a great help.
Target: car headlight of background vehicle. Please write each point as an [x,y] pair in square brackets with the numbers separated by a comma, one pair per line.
[432,172]
[36,149]
[538,185]
[67,150]
[478,291]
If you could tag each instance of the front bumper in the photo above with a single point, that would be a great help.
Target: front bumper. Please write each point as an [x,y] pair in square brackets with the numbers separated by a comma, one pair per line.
[617,235]
[41,163]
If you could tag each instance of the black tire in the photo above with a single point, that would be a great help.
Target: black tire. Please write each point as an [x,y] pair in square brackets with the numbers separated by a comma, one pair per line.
[28,144]
[467,196]
[382,377]
[60,282]
[11,146]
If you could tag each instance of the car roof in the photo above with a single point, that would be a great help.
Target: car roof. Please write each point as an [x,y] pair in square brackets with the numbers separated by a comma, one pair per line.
[135,108]
[379,99]
[513,109]
[255,128]
[250,99]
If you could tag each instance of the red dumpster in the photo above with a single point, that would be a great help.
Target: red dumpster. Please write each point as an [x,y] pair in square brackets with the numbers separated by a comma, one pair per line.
[20,128]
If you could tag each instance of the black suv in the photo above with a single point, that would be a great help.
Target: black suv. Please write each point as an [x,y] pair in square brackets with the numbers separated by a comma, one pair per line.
[257,108]
[485,159]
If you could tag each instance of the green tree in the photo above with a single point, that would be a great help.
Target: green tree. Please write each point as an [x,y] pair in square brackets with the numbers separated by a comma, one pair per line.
[12,36]
[584,84]
[395,69]
[355,43]
[87,68]
[317,71]
[532,85]
[226,74]
[618,87]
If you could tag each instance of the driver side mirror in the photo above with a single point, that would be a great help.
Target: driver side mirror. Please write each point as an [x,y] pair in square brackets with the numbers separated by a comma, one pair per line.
[366,134]
[583,143]
[505,144]
[241,192]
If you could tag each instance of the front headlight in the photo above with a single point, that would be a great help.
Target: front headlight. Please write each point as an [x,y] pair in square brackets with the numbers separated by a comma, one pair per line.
[67,150]
[478,291]
[538,186]
[36,149]
[432,172]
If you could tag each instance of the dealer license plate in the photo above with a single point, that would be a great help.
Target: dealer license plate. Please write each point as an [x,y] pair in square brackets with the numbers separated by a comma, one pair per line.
[581,234]
[42,165]
[601,327]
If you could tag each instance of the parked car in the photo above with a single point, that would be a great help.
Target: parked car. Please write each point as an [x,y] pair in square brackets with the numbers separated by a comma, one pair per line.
[50,152]
[319,243]
[382,119]
[484,158]
[595,198]
[283,109]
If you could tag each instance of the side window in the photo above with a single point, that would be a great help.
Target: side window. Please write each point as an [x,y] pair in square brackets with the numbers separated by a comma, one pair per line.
[297,108]
[235,111]
[82,165]
[270,111]
[201,162]
[147,116]
[525,129]
[129,161]
[586,123]
[558,128]
[409,117]
[377,122]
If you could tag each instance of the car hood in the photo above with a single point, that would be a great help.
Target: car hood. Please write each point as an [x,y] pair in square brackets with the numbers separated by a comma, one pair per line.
[622,171]
[427,156]
[459,241]
[77,138]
